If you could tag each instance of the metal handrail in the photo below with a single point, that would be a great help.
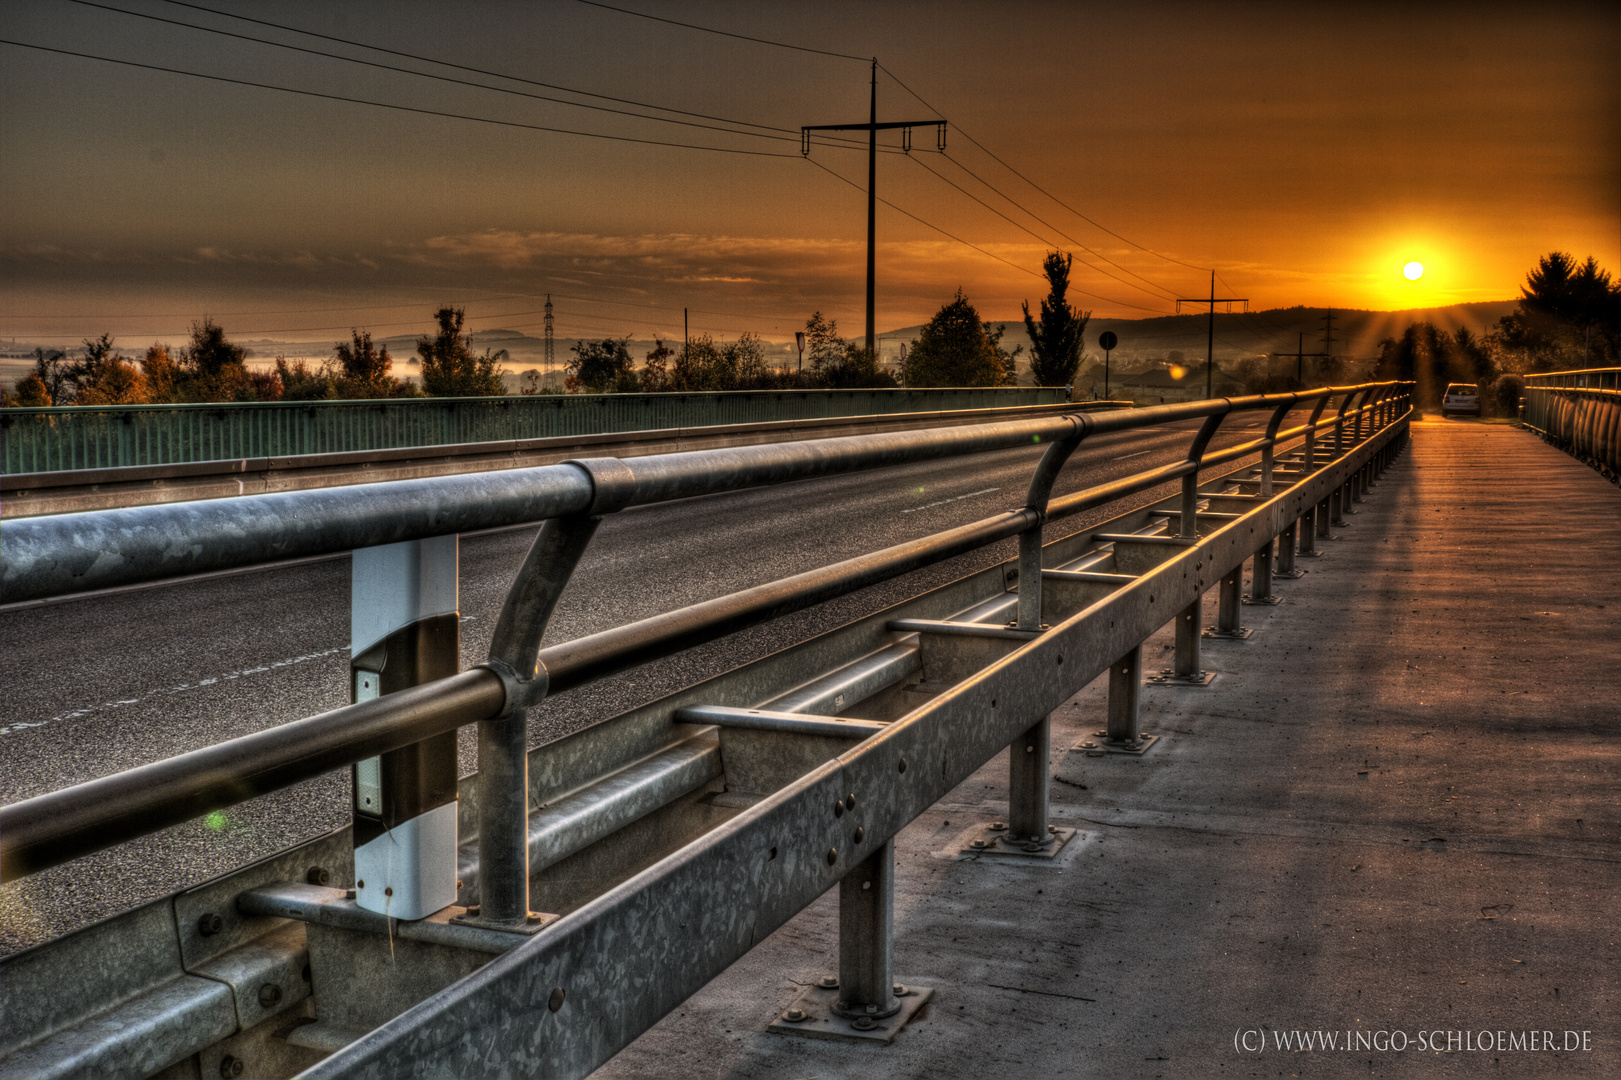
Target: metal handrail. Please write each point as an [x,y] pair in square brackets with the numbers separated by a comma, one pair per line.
[59,826]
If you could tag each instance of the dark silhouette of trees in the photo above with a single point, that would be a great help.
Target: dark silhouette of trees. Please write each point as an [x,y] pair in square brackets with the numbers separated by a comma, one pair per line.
[601,367]
[656,372]
[449,368]
[1569,315]
[1055,338]
[955,348]
[1432,358]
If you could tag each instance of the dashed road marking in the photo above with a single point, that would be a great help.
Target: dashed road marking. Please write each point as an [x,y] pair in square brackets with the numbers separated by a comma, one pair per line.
[942,502]
[213,680]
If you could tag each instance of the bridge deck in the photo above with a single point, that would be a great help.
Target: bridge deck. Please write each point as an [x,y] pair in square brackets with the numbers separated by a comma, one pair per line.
[1393,811]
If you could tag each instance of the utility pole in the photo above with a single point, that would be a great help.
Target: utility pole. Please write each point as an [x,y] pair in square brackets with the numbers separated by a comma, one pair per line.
[872,127]
[548,334]
[1300,355]
[1210,339]
[1328,330]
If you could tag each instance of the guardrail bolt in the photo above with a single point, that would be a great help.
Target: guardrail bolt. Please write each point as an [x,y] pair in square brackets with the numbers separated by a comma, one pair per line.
[998,826]
[838,808]
[230,1066]
[794,1016]
[269,996]
[860,835]
[828,982]
[863,1023]
[555,1002]
[317,875]
[901,989]
[209,924]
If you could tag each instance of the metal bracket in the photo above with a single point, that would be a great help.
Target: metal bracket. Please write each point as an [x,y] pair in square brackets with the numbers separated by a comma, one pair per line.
[1216,632]
[812,1014]
[1104,745]
[995,839]
[1169,677]
[537,921]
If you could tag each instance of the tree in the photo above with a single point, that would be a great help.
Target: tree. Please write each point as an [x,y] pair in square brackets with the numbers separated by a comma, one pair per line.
[656,373]
[956,349]
[449,368]
[601,367]
[105,377]
[1055,339]
[1567,315]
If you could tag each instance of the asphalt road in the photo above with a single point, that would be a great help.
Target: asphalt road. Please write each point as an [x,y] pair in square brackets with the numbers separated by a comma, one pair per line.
[102,684]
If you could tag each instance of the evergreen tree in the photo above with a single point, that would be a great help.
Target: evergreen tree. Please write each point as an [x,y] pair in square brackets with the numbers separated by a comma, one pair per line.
[956,349]
[1055,339]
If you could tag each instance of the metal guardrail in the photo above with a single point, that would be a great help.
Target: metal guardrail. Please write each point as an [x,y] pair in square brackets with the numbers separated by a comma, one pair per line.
[691,827]
[1579,411]
[118,436]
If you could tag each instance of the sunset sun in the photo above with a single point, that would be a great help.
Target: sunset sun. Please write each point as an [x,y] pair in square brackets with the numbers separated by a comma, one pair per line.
[1413,271]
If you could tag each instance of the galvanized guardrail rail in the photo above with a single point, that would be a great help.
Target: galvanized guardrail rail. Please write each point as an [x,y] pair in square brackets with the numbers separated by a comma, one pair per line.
[117,436]
[1579,411]
[667,841]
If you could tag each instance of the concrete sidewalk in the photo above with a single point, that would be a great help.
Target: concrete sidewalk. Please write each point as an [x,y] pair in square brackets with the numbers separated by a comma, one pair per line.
[1392,819]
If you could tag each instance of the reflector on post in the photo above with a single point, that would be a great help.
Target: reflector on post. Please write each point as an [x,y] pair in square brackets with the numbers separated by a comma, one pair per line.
[404,632]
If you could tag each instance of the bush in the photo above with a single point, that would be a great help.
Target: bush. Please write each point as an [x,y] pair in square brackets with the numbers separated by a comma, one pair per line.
[1504,397]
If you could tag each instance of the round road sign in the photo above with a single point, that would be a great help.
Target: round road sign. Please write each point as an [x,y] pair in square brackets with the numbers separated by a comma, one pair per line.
[1107,340]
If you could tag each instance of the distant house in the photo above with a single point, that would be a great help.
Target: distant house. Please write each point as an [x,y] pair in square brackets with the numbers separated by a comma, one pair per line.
[1162,387]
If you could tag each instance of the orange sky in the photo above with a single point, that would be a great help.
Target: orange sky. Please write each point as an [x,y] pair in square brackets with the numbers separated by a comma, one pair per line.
[1305,152]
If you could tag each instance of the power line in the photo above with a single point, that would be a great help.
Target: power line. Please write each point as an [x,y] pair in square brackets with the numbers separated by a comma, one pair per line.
[728,33]
[1004,217]
[396,108]
[1037,186]
[1090,251]
[436,78]
[455,66]
[1043,240]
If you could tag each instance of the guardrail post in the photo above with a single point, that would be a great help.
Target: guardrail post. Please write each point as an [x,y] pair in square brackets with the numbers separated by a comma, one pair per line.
[1188,640]
[503,742]
[1029,784]
[1308,532]
[1036,499]
[867,937]
[1286,552]
[1188,519]
[1229,607]
[1125,693]
[404,632]
[1261,577]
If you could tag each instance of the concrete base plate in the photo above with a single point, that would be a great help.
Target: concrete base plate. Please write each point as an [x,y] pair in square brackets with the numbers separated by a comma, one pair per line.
[1308,555]
[815,1005]
[1268,600]
[1219,634]
[1290,574]
[1169,677]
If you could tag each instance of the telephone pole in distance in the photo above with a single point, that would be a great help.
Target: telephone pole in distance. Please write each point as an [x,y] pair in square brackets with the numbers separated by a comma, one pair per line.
[1210,339]
[872,127]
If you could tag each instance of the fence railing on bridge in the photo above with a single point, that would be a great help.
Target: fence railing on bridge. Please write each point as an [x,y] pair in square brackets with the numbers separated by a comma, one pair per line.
[1579,411]
[673,837]
[116,436]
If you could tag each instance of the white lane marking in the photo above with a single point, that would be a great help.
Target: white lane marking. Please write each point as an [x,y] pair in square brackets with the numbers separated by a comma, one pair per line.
[942,502]
[20,725]
[1139,453]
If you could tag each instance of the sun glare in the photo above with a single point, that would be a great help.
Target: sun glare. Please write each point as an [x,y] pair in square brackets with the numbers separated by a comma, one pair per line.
[1413,271]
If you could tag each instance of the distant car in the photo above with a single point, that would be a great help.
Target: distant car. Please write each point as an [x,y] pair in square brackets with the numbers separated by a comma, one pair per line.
[1461,398]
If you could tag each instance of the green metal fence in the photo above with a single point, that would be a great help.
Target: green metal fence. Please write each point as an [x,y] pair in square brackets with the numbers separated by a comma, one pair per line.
[101,437]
